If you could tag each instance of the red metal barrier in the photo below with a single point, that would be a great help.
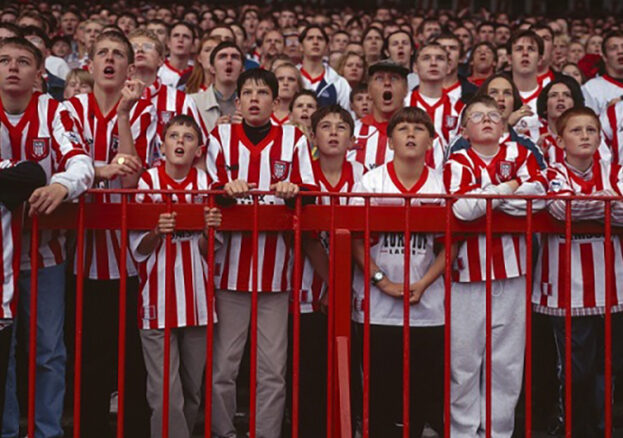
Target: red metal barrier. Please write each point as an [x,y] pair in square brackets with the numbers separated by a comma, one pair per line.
[340,222]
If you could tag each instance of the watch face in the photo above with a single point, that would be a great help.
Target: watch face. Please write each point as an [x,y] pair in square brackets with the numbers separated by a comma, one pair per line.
[378,276]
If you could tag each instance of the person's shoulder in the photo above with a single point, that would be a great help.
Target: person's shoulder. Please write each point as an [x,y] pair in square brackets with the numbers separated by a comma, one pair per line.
[595,83]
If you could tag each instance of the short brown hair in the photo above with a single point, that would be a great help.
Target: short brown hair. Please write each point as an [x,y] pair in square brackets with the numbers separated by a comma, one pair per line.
[323,112]
[481,98]
[23,43]
[411,115]
[432,44]
[83,76]
[149,34]
[116,36]
[184,120]
[564,118]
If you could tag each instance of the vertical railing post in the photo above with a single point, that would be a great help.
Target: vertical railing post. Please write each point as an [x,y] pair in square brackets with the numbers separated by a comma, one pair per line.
[342,312]
[122,318]
[32,349]
[79,308]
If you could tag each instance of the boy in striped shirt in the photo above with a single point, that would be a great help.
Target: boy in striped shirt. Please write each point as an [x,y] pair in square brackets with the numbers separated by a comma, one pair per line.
[241,157]
[582,173]
[181,147]
[488,168]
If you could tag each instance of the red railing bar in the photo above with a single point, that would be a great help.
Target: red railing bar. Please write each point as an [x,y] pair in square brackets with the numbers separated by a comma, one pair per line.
[488,317]
[366,323]
[568,369]
[210,329]
[608,320]
[32,355]
[331,320]
[166,374]
[528,380]
[343,372]
[406,389]
[296,319]
[448,318]
[123,256]
[78,323]
[254,297]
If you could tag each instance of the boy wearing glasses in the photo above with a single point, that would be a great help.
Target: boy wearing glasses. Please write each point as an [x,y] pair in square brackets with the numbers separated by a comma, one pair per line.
[488,168]
[168,101]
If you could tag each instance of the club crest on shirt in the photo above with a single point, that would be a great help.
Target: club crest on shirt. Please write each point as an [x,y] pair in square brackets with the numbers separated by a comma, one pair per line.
[280,170]
[555,185]
[39,149]
[114,145]
[505,170]
[450,121]
[165,116]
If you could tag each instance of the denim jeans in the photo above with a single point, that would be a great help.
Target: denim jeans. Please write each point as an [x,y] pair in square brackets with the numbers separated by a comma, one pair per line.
[51,354]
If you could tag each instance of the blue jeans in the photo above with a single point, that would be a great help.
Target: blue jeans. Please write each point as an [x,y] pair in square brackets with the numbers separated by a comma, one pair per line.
[51,354]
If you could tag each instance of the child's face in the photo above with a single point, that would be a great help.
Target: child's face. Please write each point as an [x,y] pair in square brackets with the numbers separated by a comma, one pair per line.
[74,87]
[480,127]
[181,145]
[256,102]
[410,140]
[361,104]
[302,109]
[332,136]
[580,137]
[61,49]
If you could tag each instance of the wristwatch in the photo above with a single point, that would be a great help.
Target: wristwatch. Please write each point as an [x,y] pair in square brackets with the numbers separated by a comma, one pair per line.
[377,277]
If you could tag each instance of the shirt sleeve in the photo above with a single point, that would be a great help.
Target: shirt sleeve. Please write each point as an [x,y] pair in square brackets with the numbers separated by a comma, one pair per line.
[144,130]
[74,166]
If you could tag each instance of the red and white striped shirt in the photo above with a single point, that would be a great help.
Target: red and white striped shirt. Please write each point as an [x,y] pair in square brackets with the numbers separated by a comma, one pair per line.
[588,261]
[10,233]
[467,172]
[442,112]
[530,126]
[283,155]
[612,127]
[170,76]
[170,102]
[189,267]
[371,147]
[545,78]
[599,91]
[102,247]
[313,286]
[279,122]
[46,133]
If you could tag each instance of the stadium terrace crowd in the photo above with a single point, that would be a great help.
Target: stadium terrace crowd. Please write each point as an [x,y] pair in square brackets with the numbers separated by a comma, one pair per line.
[294,98]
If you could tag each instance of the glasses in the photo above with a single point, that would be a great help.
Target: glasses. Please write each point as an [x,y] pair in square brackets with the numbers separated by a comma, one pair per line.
[479,116]
[145,47]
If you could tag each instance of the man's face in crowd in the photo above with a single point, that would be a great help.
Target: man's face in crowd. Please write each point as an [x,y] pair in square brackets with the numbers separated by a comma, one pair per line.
[525,57]
[387,90]
[432,64]
[181,40]
[227,66]
[69,23]
[548,44]
[161,32]
[272,44]
[339,41]
[453,50]
[145,53]
[502,35]
[110,65]
[486,33]
[287,19]
[314,44]
[90,33]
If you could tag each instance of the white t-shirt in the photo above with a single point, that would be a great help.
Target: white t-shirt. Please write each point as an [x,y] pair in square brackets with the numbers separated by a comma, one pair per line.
[387,250]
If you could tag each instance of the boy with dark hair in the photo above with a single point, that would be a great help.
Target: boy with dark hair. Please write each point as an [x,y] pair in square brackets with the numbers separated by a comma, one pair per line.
[255,155]
[119,128]
[410,132]
[488,167]
[360,101]
[37,128]
[332,135]
[181,147]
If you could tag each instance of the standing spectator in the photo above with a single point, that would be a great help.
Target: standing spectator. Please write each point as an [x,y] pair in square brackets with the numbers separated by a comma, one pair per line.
[575,52]
[272,45]
[181,39]
[161,30]
[560,51]
[257,91]
[352,67]
[217,104]
[400,48]
[545,73]
[330,87]
[600,90]
[126,22]
[372,44]
[502,34]
[54,144]
[457,87]
[339,41]
[119,128]
[485,32]
[290,83]
[482,61]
